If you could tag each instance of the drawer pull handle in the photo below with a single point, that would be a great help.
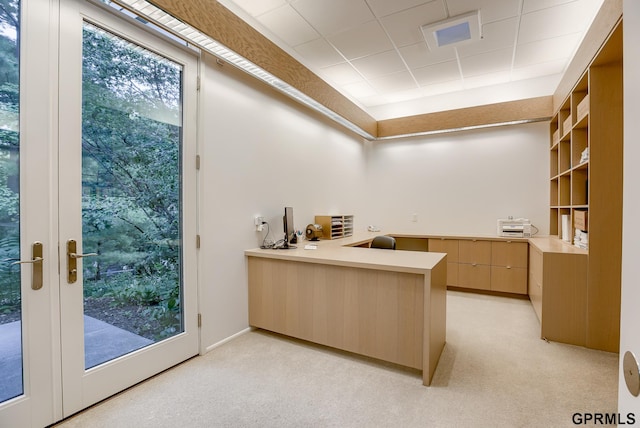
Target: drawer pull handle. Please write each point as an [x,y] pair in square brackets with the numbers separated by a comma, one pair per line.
[508,267]
[474,264]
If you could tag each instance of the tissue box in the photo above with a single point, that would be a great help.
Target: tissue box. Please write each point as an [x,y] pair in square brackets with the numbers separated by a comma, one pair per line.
[581,220]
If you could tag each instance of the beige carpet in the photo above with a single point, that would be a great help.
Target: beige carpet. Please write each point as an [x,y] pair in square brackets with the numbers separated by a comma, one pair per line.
[494,372]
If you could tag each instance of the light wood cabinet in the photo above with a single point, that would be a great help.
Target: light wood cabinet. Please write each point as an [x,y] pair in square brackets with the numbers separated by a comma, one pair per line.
[485,264]
[590,120]
[509,266]
[475,252]
[335,226]
[473,275]
[558,290]
[450,247]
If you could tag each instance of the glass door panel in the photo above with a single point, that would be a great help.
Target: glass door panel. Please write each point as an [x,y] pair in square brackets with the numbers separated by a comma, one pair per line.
[131,205]
[11,366]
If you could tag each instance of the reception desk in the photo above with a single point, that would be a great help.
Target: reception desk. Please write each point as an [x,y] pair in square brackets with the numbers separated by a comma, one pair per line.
[384,304]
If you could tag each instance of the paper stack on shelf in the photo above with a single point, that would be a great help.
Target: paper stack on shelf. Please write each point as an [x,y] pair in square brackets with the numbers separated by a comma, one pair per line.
[566,227]
[581,239]
[584,156]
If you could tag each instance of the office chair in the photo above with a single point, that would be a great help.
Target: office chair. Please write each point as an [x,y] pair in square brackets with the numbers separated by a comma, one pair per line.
[385,242]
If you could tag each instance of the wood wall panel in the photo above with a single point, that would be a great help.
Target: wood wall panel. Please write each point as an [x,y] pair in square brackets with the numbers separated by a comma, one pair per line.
[540,108]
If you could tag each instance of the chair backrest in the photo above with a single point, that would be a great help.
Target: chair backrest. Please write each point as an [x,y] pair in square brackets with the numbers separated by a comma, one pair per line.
[385,242]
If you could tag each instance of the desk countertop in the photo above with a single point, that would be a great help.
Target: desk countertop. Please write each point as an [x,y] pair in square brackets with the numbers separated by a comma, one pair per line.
[341,252]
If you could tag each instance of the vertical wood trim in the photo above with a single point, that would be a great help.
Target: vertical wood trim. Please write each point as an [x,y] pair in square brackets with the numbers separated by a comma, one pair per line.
[605,206]
[435,319]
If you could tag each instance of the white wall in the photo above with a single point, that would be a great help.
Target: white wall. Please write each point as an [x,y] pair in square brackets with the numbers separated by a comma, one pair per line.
[630,316]
[260,151]
[460,183]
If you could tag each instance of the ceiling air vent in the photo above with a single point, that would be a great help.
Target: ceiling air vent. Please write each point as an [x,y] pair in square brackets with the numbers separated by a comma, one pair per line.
[454,31]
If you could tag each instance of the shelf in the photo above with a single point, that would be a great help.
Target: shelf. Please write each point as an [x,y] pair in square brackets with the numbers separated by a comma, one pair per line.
[335,226]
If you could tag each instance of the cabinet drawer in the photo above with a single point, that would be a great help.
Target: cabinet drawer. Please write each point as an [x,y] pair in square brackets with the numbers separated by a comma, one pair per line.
[474,276]
[509,280]
[478,252]
[449,246]
[509,253]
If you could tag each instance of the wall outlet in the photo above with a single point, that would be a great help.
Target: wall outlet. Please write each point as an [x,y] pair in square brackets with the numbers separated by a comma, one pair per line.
[414,217]
[257,221]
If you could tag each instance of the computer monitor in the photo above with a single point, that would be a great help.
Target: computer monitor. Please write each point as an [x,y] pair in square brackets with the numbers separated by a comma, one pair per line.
[289,229]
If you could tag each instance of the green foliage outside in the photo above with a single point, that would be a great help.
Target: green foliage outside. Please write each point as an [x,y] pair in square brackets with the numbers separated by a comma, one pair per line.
[131,179]
[9,199]
[131,207]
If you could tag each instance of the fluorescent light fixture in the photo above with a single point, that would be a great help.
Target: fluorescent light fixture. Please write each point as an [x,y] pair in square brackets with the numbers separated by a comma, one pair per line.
[203,41]
[455,31]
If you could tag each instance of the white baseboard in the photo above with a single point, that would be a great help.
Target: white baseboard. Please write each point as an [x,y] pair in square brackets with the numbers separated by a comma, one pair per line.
[223,341]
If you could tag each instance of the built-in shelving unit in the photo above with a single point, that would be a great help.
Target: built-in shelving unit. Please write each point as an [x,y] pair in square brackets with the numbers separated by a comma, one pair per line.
[335,226]
[585,186]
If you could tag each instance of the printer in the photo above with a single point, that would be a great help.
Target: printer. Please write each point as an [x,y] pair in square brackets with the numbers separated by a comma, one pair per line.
[514,227]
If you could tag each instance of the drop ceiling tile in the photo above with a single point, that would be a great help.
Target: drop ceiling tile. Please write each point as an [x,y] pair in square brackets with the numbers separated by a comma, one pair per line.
[546,50]
[486,63]
[359,90]
[257,7]
[490,10]
[488,79]
[379,65]
[442,88]
[419,55]
[331,16]
[404,27]
[341,74]
[496,35]
[366,39]
[385,7]
[319,53]
[437,73]
[288,25]
[395,82]
[554,22]
[539,69]
[533,5]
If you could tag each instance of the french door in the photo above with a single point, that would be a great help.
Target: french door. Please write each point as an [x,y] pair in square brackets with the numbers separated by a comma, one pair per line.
[107,214]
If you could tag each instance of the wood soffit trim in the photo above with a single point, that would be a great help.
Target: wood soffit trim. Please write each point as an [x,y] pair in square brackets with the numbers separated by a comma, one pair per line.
[215,20]
[532,109]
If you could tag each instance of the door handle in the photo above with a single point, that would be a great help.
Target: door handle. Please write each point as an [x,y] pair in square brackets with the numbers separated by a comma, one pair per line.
[72,260]
[36,262]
